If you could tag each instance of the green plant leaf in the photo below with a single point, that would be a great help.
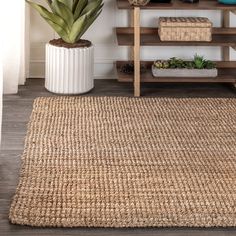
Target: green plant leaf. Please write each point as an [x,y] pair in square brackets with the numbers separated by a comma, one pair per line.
[94,11]
[69,18]
[64,12]
[75,3]
[77,28]
[79,8]
[88,24]
[49,2]
[47,15]
[92,6]
[89,17]
[61,32]
[68,3]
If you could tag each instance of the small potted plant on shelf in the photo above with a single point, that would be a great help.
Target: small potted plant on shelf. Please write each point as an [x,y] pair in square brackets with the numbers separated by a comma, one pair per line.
[128,68]
[175,67]
[69,59]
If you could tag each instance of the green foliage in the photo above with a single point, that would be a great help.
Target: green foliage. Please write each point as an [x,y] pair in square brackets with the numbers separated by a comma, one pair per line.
[199,62]
[210,65]
[162,64]
[70,18]
[175,63]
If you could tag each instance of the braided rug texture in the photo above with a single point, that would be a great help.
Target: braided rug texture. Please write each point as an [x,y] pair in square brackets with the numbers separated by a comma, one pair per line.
[126,162]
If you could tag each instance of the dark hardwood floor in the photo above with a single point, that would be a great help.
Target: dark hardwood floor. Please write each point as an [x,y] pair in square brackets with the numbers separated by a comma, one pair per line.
[16,112]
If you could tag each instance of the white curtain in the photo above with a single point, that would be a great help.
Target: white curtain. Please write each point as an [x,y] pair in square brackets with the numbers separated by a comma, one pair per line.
[14,18]
[1,82]
[14,53]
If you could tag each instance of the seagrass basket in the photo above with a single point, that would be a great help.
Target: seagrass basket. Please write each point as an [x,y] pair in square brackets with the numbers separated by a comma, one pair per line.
[139,2]
[185,29]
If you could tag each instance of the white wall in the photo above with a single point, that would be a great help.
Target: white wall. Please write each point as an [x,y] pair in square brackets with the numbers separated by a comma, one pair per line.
[102,34]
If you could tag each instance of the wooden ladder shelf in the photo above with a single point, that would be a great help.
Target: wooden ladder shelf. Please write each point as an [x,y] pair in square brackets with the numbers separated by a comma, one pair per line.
[137,36]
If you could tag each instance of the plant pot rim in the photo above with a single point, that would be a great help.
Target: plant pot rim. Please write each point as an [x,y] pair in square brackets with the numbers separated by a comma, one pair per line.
[82,43]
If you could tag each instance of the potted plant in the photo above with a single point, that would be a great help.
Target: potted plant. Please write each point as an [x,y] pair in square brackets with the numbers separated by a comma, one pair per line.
[175,67]
[69,59]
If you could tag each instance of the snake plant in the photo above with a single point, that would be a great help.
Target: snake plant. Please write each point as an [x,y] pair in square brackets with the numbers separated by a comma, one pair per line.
[69,18]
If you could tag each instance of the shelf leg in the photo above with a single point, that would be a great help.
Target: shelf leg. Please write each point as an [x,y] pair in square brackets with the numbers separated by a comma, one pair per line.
[136,51]
[131,22]
[226,23]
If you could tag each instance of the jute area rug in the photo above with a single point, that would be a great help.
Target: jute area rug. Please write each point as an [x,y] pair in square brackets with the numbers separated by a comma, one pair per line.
[126,162]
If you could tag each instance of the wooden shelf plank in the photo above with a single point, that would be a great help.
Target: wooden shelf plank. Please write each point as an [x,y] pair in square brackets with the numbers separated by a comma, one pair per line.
[149,37]
[151,30]
[179,5]
[227,74]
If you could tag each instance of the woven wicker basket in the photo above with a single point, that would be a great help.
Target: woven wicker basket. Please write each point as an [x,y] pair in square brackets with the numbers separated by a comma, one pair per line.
[139,2]
[185,29]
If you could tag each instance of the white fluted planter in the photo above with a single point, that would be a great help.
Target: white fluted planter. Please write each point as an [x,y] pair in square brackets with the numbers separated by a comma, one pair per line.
[69,70]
